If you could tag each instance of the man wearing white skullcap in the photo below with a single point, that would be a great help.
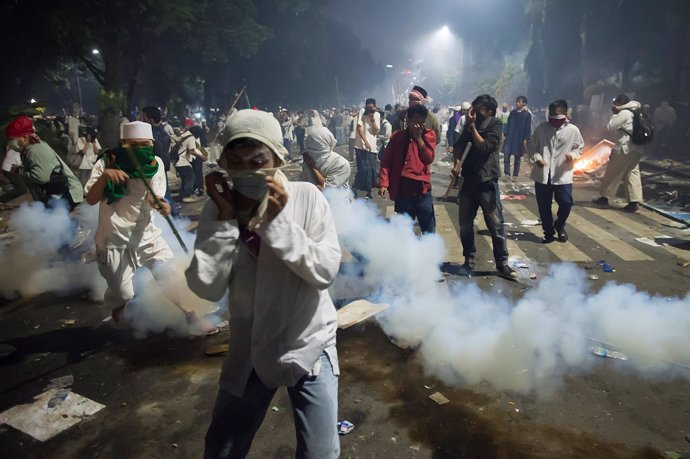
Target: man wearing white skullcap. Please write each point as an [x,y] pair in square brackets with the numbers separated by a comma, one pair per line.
[127,236]
[272,245]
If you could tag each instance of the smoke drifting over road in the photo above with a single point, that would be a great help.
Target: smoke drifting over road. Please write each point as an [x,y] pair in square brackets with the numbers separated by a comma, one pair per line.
[466,335]
[43,258]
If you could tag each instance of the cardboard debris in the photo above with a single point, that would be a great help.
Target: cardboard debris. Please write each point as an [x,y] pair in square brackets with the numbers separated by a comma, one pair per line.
[439,398]
[43,422]
[358,311]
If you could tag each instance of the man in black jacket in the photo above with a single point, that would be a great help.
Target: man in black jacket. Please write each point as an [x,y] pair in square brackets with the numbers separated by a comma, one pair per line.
[480,171]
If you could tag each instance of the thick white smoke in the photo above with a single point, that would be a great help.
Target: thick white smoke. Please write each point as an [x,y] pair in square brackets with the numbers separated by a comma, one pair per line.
[40,260]
[466,335]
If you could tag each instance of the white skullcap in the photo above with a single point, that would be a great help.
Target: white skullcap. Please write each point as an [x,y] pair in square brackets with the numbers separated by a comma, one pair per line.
[258,125]
[466,106]
[136,130]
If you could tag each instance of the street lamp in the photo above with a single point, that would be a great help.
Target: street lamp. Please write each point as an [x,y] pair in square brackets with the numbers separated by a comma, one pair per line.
[389,66]
[95,51]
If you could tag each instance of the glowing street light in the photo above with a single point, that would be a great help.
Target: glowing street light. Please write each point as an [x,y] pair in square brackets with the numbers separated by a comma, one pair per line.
[33,101]
[445,29]
[95,51]
[390,66]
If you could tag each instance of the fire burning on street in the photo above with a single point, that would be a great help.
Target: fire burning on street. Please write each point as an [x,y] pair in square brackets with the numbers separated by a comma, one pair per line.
[593,158]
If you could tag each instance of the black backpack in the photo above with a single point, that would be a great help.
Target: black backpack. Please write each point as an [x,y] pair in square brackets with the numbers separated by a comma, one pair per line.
[643,128]
[175,151]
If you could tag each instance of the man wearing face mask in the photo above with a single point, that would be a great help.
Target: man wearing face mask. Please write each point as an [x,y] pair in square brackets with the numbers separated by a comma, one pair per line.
[322,166]
[127,236]
[368,126]
[624,162]
[418,95]
[272,246]
[41,164]
[554,147]
[481,172]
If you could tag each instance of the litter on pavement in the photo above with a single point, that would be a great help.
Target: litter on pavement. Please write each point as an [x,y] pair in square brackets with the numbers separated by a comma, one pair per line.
[439,398]
[51,412]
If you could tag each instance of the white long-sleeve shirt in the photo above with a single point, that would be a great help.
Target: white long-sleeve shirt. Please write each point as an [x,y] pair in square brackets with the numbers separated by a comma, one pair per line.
[551,145]
[281,315]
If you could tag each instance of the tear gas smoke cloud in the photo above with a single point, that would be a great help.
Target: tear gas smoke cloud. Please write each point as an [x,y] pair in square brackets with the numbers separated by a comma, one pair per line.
[466,335]
[40,261]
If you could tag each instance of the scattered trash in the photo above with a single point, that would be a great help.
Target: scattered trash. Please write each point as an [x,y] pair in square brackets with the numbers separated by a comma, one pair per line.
[275,408]
[223,324]
[520,264]
[43,422]
[603,352]
[358,311]
[68,321]
[174,445]
[345,427]
[513,197]
[60,383]
[529,222]
[60,397]
[107,319]
[439,398]
[648,241]
[532,276]
[517,410]
[592,277]
[521,372]
[685,265]
[606,267]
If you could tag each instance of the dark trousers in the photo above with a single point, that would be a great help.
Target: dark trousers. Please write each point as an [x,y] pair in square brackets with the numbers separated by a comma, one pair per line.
[420,207]
[563,194]
[186,174]
[299,134]
[367,175]
[286,144]
[198,167]
[516,164]
[487,196]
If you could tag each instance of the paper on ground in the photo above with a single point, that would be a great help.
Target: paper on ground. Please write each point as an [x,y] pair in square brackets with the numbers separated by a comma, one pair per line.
[42,422]
[357,311]
[439,398]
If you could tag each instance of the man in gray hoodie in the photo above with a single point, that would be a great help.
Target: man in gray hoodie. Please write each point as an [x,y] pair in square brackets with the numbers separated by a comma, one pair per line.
[624,162]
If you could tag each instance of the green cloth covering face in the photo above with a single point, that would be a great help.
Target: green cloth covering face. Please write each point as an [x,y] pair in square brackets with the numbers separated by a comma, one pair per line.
[119,158]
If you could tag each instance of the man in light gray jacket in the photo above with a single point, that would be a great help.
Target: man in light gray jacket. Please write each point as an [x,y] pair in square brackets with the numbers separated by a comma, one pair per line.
[624,162]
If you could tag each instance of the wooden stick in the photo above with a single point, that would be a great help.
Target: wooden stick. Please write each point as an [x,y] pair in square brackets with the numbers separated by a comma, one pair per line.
[462,160]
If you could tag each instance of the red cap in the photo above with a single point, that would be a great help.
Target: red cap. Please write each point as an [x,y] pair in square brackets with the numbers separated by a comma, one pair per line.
[188,122]
[20,127]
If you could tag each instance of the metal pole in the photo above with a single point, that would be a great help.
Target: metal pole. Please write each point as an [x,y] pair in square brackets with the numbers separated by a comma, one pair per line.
[337,95]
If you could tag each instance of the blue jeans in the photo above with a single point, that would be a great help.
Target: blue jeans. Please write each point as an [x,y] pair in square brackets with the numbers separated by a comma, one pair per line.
[516,164]
[563,194]
[487,196]
[187,176]
[420,207]
[314,407]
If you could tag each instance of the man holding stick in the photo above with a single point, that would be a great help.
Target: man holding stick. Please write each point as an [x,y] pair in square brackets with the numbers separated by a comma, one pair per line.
[128,183]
